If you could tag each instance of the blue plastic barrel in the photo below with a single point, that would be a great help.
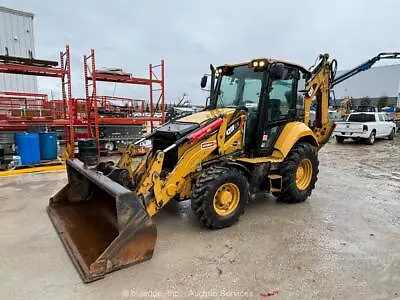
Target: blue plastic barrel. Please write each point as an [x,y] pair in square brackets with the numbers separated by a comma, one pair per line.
[48,145]
[28,147]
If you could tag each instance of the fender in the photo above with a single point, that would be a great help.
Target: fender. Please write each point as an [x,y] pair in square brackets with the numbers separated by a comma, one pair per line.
[241,167]
[291,134]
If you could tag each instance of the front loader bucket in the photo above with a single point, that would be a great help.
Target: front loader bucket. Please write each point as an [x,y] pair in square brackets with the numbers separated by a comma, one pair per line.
[103,225]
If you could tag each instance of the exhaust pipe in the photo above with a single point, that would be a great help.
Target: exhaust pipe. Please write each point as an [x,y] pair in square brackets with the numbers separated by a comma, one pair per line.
[103,225]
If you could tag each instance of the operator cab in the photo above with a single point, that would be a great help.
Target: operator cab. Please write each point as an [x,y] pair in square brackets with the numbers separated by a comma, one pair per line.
[268,90]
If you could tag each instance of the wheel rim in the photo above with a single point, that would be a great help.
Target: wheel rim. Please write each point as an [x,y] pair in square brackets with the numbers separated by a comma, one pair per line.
[109,146]
[304,174]
[372,137]
[226,199]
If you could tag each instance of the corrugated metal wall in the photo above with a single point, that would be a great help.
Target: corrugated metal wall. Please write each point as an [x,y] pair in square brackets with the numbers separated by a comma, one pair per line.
[16,33]
[373,83]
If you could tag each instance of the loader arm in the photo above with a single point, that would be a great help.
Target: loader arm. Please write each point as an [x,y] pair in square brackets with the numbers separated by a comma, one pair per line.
[126,160]
[165,189]
[205,143]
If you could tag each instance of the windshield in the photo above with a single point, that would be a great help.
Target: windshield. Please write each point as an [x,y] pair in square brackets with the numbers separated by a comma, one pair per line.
[241,88]
[361,118]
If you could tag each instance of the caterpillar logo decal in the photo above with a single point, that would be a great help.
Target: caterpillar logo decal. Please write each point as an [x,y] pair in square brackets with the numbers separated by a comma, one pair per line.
[207,145]
[232,129]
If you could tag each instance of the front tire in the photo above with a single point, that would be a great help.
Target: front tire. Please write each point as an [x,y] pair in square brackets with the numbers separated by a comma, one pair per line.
[299,174]
[220,196]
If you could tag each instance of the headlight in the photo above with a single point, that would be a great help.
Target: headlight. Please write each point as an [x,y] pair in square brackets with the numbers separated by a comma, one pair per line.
[258,63]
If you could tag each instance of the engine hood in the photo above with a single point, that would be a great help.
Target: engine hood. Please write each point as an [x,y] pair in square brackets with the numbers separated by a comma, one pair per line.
[203,116]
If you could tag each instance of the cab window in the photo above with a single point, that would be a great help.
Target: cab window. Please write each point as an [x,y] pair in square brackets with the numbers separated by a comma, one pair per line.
[282,104]
[251,92]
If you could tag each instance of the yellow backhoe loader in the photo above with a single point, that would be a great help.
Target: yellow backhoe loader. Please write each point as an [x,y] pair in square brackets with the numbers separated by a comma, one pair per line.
[255,134]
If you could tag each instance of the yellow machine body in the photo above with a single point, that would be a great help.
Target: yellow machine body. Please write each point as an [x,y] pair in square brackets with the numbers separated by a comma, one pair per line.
[104,214]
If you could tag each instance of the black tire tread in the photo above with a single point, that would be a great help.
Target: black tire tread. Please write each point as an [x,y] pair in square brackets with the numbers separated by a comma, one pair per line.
[369,141]
[339,139]
[289,192]
[201,192]
[392,134]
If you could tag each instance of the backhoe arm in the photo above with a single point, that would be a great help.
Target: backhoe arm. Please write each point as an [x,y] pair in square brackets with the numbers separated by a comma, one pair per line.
[318,87]
[323,79]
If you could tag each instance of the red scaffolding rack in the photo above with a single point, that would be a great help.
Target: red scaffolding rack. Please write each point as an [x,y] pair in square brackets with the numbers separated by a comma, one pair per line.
[92,76]
[35,67]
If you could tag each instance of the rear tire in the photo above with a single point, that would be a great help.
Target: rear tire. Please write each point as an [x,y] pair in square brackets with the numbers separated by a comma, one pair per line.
[299,174]
[371,139]
[391,135]
[220,196]
[339,139]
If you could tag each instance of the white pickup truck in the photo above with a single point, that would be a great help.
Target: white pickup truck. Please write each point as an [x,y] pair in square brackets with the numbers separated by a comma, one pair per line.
[365,125]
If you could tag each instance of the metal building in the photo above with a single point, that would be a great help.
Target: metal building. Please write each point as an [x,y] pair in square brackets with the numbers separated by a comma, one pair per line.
[374,84]
[16,39]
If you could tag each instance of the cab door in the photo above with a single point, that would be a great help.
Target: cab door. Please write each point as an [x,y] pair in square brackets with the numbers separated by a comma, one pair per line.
[279,106]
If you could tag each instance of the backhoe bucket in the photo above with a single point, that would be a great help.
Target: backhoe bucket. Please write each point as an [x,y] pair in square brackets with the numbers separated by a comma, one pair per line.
[103,225]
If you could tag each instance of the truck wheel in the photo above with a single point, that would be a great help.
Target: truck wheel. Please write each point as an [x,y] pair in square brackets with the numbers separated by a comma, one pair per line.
[220,196]
[299,174]
[109,146]
[371,139]
[391,135]
[340,139]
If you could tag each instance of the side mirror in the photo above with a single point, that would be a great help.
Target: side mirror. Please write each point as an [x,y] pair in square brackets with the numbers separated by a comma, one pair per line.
[277,71]
[203,82]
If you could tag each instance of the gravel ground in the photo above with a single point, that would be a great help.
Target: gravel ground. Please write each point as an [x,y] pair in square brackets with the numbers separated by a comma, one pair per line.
[343,243]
